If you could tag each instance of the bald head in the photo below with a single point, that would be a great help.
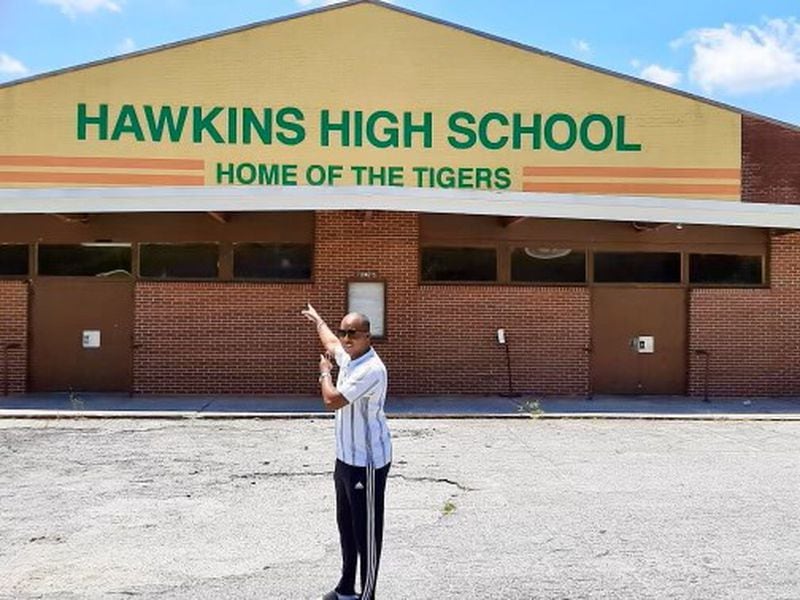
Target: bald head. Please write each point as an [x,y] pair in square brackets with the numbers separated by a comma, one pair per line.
[356,320]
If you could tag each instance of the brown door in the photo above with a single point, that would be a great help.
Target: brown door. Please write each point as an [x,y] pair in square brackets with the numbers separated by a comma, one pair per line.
[65,314]
[623,320]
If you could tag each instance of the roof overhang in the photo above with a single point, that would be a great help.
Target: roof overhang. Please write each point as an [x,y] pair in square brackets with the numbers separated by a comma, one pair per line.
[219,199]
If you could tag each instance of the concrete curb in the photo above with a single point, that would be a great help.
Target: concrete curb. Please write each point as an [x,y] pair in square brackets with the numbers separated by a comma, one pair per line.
[116,414]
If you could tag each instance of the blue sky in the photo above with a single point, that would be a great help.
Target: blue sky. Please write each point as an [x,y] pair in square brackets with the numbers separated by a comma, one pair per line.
[741,52]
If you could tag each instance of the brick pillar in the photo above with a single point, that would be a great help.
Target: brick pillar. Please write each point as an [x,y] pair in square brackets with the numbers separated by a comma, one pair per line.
[14,330]
[380,245]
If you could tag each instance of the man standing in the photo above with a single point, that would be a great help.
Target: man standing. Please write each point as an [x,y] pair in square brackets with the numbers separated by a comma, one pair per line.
[363,447]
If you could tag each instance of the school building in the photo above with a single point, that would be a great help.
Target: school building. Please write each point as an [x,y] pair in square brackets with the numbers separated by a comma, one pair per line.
[508,218]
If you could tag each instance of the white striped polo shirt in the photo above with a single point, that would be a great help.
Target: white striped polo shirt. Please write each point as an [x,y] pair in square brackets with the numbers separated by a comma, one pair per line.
[362,434]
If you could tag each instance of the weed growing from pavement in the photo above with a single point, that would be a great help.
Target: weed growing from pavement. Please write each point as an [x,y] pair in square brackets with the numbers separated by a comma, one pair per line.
[531,406]
[449,507]
[75,401]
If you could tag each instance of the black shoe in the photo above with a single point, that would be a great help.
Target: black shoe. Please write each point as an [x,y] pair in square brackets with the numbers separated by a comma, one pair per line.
[334,595]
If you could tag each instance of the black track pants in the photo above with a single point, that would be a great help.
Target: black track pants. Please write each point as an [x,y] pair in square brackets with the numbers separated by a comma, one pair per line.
[359,514]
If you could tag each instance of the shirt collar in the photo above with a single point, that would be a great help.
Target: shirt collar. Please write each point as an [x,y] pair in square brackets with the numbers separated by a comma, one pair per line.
[363,358]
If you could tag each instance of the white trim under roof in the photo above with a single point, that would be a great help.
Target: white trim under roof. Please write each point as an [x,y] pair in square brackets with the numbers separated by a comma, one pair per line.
[423,200]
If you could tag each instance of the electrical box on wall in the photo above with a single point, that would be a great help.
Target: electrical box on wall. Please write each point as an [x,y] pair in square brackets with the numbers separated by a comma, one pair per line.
[90,338]
[644,344]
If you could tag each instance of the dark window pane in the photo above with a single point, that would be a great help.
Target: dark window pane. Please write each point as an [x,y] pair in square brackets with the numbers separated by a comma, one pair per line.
[13,259]
[85,260]
[178,261]
[725,269]
[459,264]
[548,265]
[272,261]
[637,267]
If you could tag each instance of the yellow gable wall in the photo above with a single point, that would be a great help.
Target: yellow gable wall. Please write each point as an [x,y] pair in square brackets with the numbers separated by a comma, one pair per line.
[367,57]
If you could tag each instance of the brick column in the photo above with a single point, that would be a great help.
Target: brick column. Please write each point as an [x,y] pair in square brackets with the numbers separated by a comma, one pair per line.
[14,330]
[380,245]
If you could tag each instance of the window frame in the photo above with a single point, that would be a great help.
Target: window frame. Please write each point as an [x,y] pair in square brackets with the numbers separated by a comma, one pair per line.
[236,279]
[217,278]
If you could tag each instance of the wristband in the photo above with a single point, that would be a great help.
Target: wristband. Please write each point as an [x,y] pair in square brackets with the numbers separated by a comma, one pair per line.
[323,375]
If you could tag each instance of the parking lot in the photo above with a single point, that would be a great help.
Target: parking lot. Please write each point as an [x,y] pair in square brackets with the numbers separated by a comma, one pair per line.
[483,508]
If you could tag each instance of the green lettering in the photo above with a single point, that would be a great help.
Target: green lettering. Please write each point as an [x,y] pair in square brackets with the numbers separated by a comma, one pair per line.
[534,130]
[358,129]
[128,122]
[445,177]
[269,174]
[233,124]
[327,127]
[622,145]
[425,128]
[290,120]
[391,137]
[607,128]
[205,123]
[470,137]
[263,128]
[502,178]
[246,173]
[165,118]
[223,172]
[572,131]
[483,178]
[101,121]
[483,130]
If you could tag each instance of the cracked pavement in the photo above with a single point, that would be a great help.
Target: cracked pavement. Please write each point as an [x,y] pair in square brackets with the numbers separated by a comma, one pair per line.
[517,509]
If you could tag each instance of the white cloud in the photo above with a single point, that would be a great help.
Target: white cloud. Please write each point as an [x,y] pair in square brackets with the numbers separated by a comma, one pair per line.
[11,66]
[581,46]
[660,75]
[125,46]
[72,8]
[745,59]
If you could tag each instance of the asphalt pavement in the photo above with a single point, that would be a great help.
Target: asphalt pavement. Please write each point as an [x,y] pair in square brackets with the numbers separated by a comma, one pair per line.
[514,509]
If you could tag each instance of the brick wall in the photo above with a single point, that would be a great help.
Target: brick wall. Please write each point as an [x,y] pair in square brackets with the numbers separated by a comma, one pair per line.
[752,336]
[379,245]
[770,159]
[14,330]
[233,338]
[547,331]
[250,338]
[441,338]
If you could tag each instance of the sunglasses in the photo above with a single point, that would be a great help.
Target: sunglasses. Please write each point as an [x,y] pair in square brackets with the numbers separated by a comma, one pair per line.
[353,333]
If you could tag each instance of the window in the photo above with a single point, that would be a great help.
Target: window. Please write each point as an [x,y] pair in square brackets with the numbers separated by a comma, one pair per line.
[459,264]
[179,261]
[272,261]
[85,260]
[369,298]
[13,260]
[548,265]
[637,267]
[731,269]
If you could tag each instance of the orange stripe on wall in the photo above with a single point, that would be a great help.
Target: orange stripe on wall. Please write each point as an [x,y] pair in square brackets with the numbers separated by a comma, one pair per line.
[707,189]
[687,172]
[100,178]
[182,164]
